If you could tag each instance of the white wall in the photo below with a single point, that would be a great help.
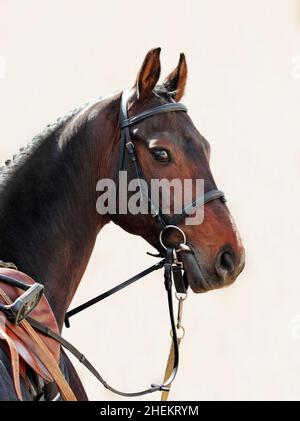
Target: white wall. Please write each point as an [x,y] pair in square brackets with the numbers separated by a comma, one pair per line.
[243,94]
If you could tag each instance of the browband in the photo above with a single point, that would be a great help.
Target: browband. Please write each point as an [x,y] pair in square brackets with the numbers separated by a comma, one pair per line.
[164,108]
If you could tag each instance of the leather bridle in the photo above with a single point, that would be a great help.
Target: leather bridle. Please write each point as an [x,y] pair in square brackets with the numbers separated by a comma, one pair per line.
[173,269]
[126,145]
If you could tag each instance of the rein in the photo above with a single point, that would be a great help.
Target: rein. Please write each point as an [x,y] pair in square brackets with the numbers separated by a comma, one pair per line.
[169,267]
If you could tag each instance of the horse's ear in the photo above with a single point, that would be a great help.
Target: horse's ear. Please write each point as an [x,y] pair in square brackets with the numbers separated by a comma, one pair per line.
[148,75]
[176,80]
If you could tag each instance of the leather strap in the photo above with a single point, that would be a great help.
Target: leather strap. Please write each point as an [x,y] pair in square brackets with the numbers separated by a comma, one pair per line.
[14,358]
[83,360]
[169,369]
[126,145]
[180,280]
[200,201]
[112,291]
[165,108]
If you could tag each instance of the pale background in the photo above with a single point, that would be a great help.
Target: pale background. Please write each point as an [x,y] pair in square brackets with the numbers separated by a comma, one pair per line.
[243,94]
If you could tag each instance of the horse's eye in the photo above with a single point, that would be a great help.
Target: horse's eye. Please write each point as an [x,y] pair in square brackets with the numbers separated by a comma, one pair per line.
[161,155]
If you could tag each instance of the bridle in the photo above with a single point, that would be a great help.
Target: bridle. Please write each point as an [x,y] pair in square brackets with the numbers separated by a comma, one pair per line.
[126,145]
[173,269]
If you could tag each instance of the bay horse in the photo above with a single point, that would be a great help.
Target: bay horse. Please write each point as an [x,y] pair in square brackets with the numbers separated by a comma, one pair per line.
[48,217]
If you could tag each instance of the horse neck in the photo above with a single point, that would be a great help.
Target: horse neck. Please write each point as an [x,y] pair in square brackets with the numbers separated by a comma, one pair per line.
[48,218]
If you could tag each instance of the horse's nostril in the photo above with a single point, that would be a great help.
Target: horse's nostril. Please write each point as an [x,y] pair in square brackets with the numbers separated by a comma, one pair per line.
[226,261]
[225,264]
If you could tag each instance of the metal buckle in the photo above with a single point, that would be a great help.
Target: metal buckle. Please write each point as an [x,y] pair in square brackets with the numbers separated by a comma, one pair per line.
[130,146]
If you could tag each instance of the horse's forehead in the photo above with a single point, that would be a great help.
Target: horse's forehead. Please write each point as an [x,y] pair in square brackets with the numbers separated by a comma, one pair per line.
[174,126]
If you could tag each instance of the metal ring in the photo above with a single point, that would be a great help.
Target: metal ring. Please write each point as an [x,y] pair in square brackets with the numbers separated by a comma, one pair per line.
[180,332]
[176,228]
[181,296]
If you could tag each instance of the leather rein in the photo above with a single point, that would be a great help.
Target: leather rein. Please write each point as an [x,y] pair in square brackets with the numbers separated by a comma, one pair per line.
[173,269]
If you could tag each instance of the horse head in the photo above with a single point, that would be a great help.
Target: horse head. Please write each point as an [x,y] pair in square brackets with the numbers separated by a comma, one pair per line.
[168,146]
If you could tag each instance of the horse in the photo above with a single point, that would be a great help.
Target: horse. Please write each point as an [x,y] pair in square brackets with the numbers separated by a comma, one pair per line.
[48,218]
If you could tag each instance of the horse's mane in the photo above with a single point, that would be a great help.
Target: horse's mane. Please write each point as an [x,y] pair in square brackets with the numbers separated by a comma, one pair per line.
[25,151]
